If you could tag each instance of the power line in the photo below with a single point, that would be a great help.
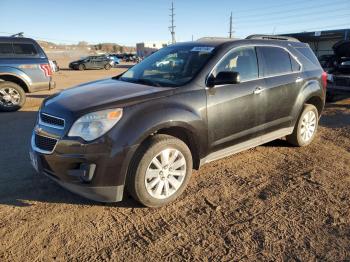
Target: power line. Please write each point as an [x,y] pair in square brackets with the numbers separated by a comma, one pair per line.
[257,17]
[296,20]
[172,27]
[288,4]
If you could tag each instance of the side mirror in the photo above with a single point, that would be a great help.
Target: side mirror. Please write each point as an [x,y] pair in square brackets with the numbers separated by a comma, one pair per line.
[223,78]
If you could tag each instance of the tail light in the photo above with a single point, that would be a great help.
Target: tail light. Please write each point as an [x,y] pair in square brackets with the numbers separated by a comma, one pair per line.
[46,69]
[324,80]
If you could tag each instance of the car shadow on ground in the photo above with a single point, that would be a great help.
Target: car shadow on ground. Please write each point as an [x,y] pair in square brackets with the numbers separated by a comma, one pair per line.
[19,184]
[337,115]
[37,96]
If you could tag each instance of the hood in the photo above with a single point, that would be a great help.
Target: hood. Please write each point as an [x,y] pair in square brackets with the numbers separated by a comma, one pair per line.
[100,94]
[342,48]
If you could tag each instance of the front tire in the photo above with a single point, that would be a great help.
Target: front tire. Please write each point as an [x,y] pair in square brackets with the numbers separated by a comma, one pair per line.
[306,127]
[81,67]
[12,96]
[160,171]
[108,66]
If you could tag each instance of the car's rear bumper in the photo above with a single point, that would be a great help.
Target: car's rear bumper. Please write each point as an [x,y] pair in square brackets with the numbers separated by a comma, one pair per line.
[40,86]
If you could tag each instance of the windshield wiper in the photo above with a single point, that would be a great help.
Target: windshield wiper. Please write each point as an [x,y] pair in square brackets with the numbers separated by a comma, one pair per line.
[144,81]
[148,82]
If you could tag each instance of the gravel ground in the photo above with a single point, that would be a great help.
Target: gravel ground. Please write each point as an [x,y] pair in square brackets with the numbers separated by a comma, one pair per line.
[273,202]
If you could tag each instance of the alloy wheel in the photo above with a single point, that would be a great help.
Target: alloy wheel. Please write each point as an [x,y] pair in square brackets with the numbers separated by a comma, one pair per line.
[9,97]
[308,126]
[166,173]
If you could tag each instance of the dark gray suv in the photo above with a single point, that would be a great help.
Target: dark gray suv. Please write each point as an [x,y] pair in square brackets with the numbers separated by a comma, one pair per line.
[24,68]
[185,105]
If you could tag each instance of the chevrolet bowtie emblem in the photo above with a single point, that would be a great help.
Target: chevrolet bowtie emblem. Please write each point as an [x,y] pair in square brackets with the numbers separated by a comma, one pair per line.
[38,129]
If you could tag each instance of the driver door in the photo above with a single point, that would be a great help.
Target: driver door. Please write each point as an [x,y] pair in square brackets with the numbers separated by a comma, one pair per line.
[235,111]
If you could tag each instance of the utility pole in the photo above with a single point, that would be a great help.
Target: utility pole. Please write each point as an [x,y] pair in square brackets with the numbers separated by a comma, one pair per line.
[231,30]
[172,27]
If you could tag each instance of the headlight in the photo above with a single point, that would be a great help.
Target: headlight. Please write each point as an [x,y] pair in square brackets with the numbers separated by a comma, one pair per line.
[96,124]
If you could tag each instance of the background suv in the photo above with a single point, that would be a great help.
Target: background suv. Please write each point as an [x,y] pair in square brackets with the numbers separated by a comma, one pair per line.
[24,68]
[146,129]
[92,62]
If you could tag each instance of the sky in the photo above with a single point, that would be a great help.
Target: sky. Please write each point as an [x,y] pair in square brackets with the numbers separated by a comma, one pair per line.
[128,22]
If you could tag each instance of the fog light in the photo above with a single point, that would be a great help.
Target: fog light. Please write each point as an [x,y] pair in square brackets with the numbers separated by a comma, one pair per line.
[88,174]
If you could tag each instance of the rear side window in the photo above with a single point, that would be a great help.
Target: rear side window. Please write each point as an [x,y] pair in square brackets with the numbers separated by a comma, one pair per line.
[6,49]
[24,49]
[307,52]
[276,60]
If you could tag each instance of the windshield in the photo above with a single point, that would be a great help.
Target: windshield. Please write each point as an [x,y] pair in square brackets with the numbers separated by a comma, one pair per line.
[170,66]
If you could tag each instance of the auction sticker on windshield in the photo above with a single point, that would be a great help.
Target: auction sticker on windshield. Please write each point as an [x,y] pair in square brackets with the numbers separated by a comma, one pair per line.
[207,49]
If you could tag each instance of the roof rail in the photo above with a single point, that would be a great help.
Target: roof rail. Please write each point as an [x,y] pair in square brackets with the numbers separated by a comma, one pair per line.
[273,37]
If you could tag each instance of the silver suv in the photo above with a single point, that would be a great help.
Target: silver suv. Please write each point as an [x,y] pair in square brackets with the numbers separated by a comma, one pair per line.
[24,68]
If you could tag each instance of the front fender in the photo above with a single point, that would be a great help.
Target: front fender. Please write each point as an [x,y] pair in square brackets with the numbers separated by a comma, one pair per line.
[142,120]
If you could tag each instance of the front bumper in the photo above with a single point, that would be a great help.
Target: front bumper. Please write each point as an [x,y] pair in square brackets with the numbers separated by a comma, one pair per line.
[91,171]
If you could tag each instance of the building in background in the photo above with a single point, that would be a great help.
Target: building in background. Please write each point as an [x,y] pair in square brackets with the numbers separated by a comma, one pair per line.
[321,42]
[147,48]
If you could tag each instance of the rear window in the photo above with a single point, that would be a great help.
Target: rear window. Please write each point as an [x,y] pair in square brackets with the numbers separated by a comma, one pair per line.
[24,49]
[276,60]
[6,49]
[307,52]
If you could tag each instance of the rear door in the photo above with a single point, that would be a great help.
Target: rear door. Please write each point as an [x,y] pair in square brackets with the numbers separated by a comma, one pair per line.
[283,79]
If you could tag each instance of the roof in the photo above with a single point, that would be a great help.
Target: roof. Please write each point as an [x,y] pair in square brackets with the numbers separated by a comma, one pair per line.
[253,39]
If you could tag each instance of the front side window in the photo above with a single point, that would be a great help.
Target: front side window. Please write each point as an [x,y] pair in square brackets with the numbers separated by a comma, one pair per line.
[276,61]
[242,60]
[170,66]
[24,49]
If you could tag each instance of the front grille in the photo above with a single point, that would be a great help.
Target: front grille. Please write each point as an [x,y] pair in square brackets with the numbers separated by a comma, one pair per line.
[45,143]
[52,120]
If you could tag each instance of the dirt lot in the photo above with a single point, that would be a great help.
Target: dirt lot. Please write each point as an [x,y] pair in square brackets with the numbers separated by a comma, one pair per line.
[274,202]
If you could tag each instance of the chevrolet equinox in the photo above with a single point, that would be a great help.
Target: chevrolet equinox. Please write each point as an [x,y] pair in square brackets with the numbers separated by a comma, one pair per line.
[185,105]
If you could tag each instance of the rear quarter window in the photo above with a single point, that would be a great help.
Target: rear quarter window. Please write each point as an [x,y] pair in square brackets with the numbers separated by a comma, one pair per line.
[6,49]
[25,49]
[309,54]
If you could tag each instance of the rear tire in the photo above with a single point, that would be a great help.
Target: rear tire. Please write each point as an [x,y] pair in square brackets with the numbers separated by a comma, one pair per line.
[160,171]
[12,96]
[108,66]
[81,67]
[306,127]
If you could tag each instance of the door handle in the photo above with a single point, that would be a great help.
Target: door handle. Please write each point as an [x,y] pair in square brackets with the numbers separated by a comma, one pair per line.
[258,90]
[299,79]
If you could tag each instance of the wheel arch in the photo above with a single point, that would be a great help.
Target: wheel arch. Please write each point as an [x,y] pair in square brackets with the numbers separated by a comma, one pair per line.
[311,93]
[317,102]
[15,79]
